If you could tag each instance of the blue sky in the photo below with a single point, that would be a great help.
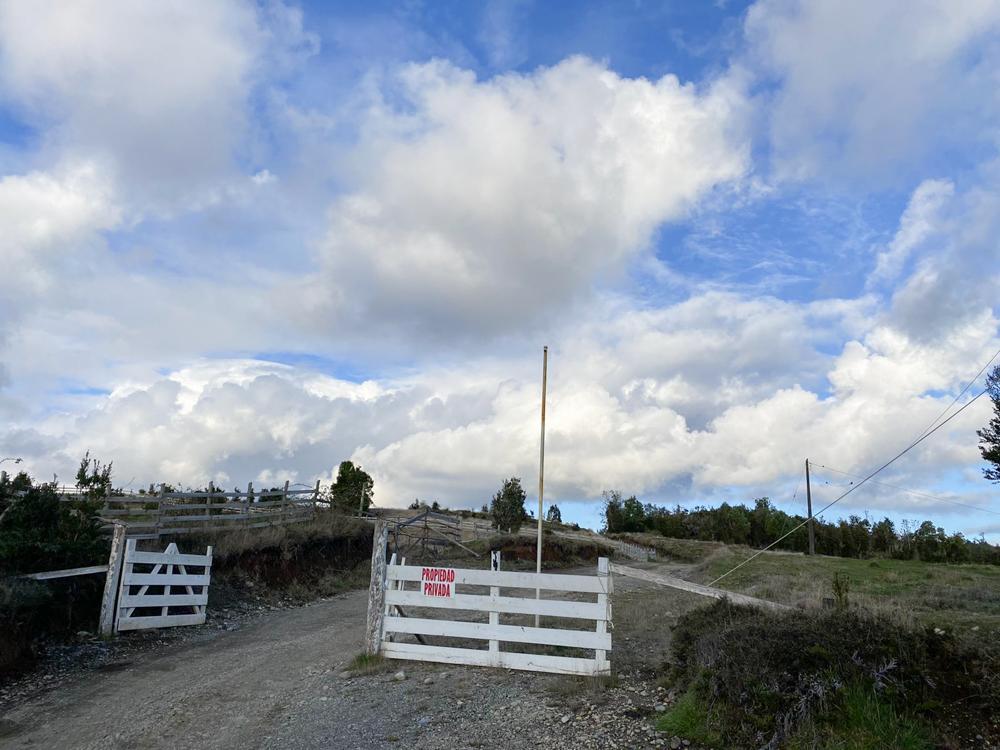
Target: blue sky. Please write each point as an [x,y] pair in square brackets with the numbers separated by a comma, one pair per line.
[245,241]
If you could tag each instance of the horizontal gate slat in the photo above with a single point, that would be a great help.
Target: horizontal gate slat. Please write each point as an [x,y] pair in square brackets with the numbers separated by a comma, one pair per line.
[503,604]
[503,659]
[509,633]
[164,600]
[157,558]
[544,581]
[167,579]
[168,621]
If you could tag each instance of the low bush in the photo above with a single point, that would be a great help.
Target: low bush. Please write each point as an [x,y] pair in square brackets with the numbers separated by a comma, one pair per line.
[764,678]
[40,532]
[32,611]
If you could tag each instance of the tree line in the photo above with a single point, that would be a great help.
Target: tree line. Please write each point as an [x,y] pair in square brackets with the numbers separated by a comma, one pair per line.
[762,524]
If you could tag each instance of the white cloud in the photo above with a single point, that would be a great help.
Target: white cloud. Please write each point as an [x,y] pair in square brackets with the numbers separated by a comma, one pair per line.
[157,93]
[917,224]
[51,224]
[481,204]
[629,407]
[874,88]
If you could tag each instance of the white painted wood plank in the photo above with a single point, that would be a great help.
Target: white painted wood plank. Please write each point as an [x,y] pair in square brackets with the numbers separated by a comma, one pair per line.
[510,579]
[165,600]
[163,579]
[509,633]
[68,573]
[159,621]
[154,558]
[694,588]
[505,660]
[504,604]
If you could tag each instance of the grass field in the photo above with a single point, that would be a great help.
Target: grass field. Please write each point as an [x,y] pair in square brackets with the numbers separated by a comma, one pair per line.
[952,597]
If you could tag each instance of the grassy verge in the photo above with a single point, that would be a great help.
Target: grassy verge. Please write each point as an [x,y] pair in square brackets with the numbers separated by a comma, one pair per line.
[953,597]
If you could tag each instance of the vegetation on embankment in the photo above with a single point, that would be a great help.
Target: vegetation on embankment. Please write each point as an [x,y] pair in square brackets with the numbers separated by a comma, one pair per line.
[834,678]
[518,551]
[300,561]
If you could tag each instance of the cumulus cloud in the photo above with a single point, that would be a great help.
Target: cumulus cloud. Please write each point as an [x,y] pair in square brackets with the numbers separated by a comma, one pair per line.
[956,263]
[156,93]
[480,204]
[874,88]
[51,231]
[627,410]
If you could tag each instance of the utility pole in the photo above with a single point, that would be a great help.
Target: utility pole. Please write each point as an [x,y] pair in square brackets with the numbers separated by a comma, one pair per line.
[809,502]
[541,471]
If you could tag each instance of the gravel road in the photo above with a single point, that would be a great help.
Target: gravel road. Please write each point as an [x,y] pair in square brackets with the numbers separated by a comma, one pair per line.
[275,681]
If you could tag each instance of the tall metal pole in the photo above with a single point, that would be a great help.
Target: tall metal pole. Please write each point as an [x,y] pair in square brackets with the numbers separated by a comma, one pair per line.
[541,472]
[809,502]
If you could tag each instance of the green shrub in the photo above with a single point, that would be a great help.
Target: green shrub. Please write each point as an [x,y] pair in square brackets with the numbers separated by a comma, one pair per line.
[767,674]
[40,532]
[689,718]
[862,720]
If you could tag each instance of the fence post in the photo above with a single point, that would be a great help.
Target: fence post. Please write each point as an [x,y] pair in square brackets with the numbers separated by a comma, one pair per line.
[603,574]
[316,498]
[159,509]
[107,621]
[126,570]
[246,504]
[376,589]
[495,616]
[208,505]
[284,504]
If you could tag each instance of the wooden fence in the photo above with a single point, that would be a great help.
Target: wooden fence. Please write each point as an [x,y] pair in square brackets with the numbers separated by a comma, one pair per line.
[147,597]
[151,516]
[446,590]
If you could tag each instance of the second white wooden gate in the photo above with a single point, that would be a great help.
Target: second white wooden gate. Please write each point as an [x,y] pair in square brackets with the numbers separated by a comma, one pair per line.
[162,589]
[437,589]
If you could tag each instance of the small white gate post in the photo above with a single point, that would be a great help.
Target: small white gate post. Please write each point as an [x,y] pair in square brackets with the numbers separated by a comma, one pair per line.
[495,616]
[376,589]
[603,573]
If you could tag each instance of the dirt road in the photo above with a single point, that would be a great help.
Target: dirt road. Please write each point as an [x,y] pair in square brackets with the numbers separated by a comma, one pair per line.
[275,682]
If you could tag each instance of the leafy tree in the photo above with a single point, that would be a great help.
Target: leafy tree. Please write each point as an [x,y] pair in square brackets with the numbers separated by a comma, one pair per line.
[507,507]
[353,488]
[93,477]
[435,505]
[614,520]
[989,436]
[884,536]
[553,514]
[633,515]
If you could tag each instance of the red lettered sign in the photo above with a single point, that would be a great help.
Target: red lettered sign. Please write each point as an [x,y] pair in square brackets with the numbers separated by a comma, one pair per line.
[438,582]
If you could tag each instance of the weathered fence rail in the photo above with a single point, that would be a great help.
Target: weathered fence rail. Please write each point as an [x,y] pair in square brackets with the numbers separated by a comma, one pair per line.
[150,516]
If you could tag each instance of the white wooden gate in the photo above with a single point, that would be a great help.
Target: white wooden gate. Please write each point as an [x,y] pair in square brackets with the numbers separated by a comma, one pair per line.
[162,589]
[419,587]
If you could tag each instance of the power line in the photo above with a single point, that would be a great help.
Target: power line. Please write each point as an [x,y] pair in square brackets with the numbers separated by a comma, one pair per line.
[911,492]
[888,463]
[962,393]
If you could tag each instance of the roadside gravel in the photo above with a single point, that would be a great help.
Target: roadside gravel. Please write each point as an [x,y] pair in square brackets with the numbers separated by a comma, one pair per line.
[270,678]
